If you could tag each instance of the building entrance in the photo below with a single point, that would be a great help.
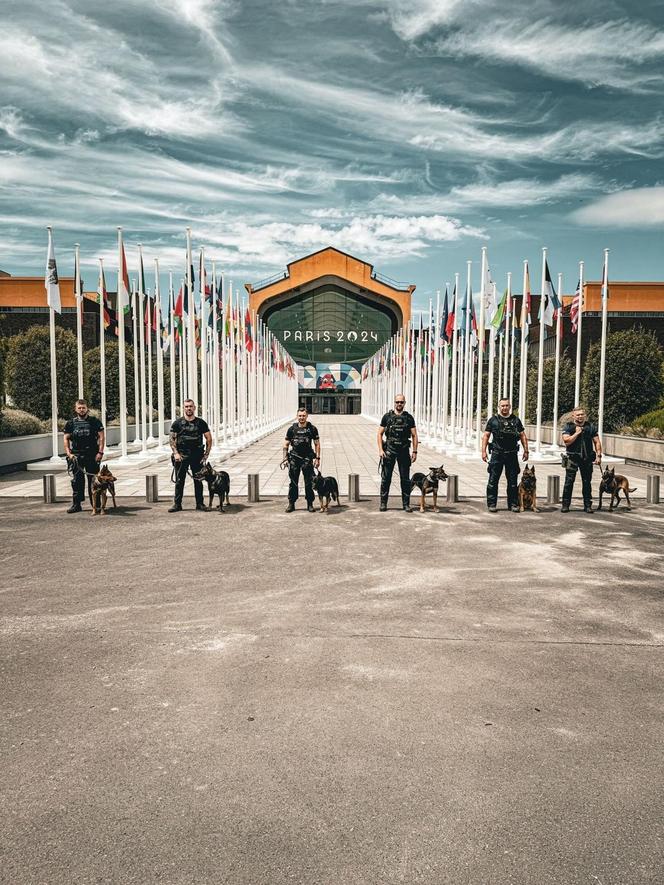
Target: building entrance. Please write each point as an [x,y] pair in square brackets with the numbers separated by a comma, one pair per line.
[346,403]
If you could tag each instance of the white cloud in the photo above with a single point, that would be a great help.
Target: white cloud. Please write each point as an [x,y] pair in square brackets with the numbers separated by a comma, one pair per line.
[411,19]
[609,53]
[638,208]
[11,122]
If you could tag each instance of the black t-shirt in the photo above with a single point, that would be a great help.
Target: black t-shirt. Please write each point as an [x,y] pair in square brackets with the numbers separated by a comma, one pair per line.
[83,433]
[301,438]
[189,434]
[583,445]
[397,429]
[505,432]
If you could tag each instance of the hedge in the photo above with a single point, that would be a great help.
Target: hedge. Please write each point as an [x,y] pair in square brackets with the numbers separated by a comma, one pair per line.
[28,371]
[634,382]
[14,422]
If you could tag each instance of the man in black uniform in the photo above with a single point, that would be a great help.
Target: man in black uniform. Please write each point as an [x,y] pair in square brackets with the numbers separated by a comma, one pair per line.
[505,431]
[583,447]
[397,429]
[84,437]
[301,457]
[186,440]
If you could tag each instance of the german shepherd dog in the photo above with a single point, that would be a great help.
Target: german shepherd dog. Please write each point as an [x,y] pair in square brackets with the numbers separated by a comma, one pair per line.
[219,483]
[103,485]
[427,483]
[528,491]
[327,489]
[613,485]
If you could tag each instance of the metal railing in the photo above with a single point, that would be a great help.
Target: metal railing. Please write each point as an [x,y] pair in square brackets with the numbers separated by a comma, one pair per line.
[269,280]
[394,284]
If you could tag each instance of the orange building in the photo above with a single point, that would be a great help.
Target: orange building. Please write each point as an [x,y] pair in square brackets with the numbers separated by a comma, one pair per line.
[332,312]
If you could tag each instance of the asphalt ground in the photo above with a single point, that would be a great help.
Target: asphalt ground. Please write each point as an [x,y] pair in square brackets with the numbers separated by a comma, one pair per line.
[352,697]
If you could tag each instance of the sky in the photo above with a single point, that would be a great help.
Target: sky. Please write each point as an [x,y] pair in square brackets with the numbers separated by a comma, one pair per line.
[408,133]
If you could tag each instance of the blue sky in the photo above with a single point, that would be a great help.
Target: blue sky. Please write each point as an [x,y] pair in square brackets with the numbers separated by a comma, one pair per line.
[406,132]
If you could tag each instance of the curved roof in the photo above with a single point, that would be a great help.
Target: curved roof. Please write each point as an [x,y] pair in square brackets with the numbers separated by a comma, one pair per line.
[302,274]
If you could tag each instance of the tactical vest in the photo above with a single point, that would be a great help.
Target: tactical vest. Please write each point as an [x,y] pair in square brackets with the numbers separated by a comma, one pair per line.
[84,434]
[189,436]
[506,438]
[397,431]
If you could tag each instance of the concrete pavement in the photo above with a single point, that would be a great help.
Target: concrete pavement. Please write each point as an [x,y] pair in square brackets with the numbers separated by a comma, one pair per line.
[356,697]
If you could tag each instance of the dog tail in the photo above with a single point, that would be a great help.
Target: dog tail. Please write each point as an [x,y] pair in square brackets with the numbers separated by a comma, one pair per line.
[632,490]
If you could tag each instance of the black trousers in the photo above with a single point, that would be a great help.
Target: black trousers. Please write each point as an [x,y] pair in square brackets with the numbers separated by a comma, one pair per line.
[193,463]
[402,458]
[87,463]
[295,466]
[498,461]
[585,468]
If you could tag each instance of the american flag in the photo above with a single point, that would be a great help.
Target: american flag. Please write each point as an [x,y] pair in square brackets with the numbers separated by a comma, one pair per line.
[574,308]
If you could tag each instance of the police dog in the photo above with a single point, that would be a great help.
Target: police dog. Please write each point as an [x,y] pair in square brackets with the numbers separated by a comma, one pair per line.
[103,485]
[613,485]
[428,483]
[528,491]
[327,489]
[219,483]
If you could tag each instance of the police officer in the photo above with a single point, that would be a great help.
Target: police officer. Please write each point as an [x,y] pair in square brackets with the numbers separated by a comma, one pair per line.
[186,439]
[301,457]
[84,437]
[583,446]
[505,431]
[397,429]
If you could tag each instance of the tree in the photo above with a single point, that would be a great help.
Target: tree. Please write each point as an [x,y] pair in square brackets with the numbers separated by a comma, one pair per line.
[28,371]
[565,389]
[633,383]
[93,378]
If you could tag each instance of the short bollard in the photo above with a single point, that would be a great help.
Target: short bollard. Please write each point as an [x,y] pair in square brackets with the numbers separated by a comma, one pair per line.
[253,488]
[152,488]
[452,488]
[652,488]
[353,486]
[553,490]
[49,488]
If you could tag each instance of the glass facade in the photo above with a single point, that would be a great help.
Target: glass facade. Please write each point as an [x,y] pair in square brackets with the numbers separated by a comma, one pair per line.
[331,325]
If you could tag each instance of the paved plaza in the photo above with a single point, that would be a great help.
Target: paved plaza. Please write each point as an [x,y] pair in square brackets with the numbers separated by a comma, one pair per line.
[348,445]
[357,697]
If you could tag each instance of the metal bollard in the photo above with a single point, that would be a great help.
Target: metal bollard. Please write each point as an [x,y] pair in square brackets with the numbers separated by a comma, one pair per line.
[152,488]
[553,490]
[452,488]
[652,488]
[353,486]
[49,488]
[253,487]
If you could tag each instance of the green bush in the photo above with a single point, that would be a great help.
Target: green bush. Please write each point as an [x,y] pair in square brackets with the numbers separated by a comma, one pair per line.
[93,378]
[634,382]
[641,425]
[28,371]
[565,389]
[14,422]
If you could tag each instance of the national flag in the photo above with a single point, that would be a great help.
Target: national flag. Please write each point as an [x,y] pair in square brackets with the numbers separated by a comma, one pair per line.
[549,302]
[248,335]
[473,326]
[442,329]
[178,314]
[499,315]
[449,325]
[574,308]
[526,295]
[78,283]
[489,292]
[51,280]
[110,316]
[605,282]
[123,294]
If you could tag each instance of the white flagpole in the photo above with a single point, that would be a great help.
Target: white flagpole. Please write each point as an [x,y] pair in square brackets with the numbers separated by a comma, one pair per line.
[523,367]
[102,343]
[224,367]
[556,383]
[436,369]
[149,309]
[159,344]
[171,340]
[540,357]
[141,332]
[500,367]
[455,335]
[215,361]
[467,390]
[512,345]
[79,318]
[192,387]
[52,285]
[122,370]
[446,372]
[480,349]
[504,391]
[602,361]
[205,406]
[577,379]
[137,377]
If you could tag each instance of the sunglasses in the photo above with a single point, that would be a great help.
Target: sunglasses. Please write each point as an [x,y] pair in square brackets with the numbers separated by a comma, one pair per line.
[400,402]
